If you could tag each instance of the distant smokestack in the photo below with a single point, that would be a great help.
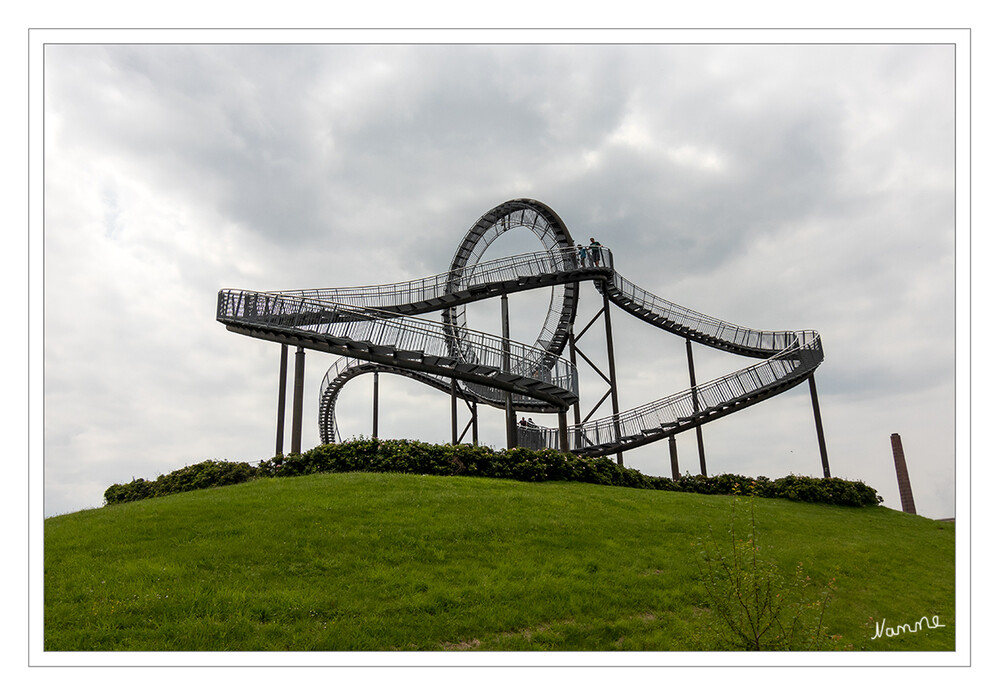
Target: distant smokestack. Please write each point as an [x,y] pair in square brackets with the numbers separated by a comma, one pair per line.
[902,473]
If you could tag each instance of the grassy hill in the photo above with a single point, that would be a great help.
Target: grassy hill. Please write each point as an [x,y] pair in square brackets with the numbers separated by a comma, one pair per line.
[380,561]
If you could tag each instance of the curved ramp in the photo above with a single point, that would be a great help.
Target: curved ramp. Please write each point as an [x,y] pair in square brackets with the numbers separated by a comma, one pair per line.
[347,368]
[373,329]
[398,341]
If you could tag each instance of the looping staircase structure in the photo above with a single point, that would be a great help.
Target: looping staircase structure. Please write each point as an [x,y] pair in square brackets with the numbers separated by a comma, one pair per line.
[373,329]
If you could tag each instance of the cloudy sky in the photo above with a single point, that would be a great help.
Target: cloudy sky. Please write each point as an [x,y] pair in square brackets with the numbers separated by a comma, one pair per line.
[776,186]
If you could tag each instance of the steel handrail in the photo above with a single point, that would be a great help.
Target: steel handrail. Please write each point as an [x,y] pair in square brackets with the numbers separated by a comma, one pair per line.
[782,345]
[693,323]
[651,419]
[346,368]
[435,287]
[366,319]
[401,333]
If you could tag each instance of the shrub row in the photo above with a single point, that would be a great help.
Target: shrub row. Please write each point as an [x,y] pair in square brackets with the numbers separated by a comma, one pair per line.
[197,477]
[407,456]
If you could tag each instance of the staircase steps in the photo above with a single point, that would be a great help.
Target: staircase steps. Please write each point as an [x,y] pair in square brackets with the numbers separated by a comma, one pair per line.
[448,362]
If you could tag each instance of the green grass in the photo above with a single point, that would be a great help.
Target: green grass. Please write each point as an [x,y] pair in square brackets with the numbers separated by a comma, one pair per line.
[367,561]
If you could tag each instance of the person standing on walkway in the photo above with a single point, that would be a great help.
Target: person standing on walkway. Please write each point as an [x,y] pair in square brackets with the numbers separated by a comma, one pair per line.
[582,256]
[596,252]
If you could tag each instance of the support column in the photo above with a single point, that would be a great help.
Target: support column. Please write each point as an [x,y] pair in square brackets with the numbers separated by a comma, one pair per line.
[697,406]
[374,409]
[563,431]
[282,389]
[902,473]
[572,360]
[475,423]
[612,372]
[511,416]
[674,462]
[296,404]
[818,426]
[454,412]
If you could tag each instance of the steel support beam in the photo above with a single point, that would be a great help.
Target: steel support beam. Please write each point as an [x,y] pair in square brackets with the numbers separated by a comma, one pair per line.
[475,423]
[374,408]
[572,360]
[511,416]
[599,403]
[818,426]
[697,406]
[612,371]
[563,431]
[282,389]
[296,404]
[473,415]
[454,412]
[674,462]
[464,432]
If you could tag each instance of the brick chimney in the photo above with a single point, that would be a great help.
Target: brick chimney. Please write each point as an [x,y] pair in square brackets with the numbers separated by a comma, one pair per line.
[902,473]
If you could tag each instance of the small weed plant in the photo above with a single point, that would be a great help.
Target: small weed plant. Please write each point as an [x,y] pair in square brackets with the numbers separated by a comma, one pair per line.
[754,605]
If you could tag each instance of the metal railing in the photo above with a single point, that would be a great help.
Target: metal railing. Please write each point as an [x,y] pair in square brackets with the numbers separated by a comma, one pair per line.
[361,315]
[343,325]
[690,322]
[346,368]
[328,392]
[437,287]
[649,420]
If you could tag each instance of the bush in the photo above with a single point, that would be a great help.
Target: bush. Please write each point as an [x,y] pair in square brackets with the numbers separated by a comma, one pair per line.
[196,477]
[420,458]
[129,492]
[827,490]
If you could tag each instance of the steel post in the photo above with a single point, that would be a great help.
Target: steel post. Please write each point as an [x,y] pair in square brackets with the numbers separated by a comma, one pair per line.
[697,406]
[563,431]
[454,412]
[613,375]
[475,424]
[282,389]
[818,426]
[374,408]
[511,416]
[674,462]
[296,405]
[572,360]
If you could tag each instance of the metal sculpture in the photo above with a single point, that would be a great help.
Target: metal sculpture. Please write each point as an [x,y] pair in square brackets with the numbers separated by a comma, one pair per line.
[373,330]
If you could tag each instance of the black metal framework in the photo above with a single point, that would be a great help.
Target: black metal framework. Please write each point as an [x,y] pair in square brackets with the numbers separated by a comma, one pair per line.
[372,329]
[374,407]
[542,221]
[298,395]
[697,406]
[715,399]
[610,378]
[282,391]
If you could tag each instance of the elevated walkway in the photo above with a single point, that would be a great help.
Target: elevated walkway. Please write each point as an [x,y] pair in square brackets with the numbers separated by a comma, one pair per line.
[375,329]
